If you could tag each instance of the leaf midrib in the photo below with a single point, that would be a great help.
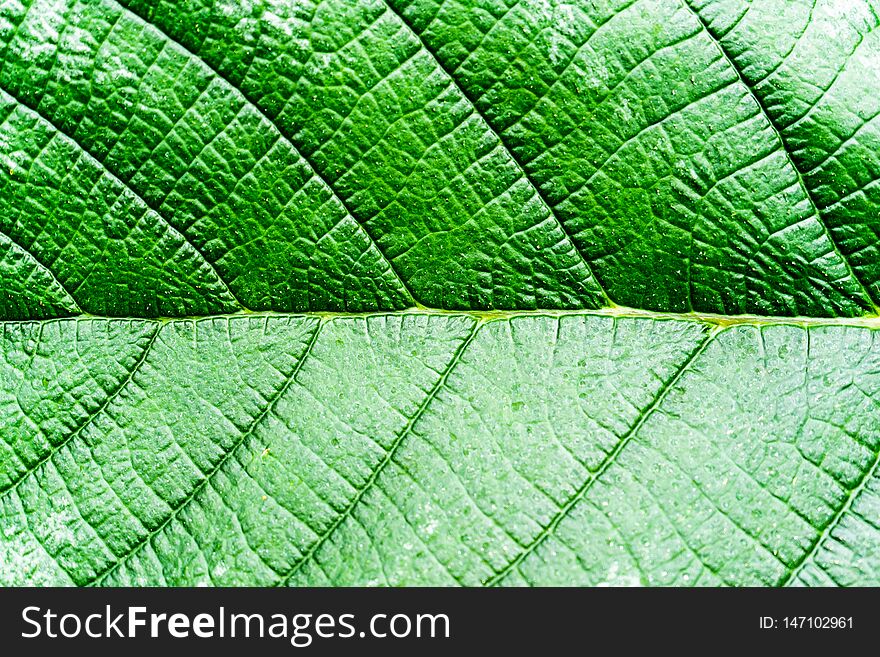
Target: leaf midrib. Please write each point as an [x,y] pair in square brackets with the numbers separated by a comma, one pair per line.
[868,321]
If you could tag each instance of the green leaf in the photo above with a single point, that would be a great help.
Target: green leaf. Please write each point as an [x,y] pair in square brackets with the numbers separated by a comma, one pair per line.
[168,159]
[440,292]
[426,448]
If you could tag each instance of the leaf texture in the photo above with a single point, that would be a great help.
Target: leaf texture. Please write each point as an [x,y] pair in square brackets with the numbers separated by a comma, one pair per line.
[438,449]
[470,155]
[439,292]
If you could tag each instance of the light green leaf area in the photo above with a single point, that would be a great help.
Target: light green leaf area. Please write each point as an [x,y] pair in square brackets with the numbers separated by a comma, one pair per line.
[428,448]
[438,292]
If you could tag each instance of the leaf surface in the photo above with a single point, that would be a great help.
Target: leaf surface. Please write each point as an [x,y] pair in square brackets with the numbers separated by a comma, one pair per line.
[438,449]
[352,157]
[441,292]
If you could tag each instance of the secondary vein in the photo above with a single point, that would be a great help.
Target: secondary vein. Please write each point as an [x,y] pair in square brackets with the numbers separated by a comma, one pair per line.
[209,475]
[131,190]
[778,133]
[389,456]
[283,133]
[514,159]
[113,395]
[835,521]
[44,267]
[604,465]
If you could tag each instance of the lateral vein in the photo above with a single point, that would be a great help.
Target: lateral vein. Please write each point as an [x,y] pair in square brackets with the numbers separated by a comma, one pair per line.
[853,495]
[210,474]
[389,456]
[283,133]
[131,190]
[778,133]
[113,395]
[509,151]
[579,494]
